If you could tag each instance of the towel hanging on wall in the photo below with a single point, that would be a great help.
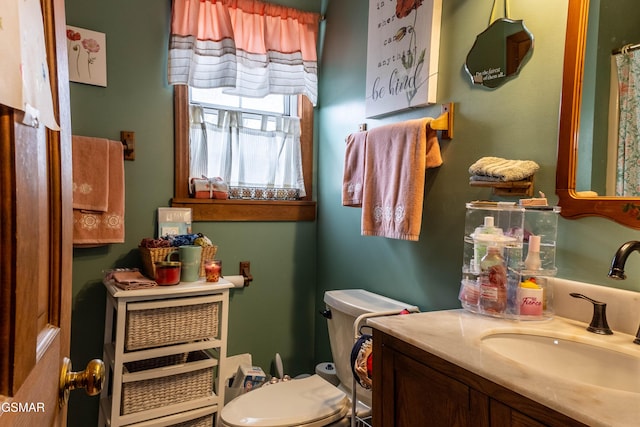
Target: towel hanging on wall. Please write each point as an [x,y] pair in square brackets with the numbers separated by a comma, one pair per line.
[396,156]
[92,227]
[353,176]
[90,186]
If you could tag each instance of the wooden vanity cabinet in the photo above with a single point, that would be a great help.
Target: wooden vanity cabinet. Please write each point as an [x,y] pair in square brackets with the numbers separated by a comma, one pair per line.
[412,387]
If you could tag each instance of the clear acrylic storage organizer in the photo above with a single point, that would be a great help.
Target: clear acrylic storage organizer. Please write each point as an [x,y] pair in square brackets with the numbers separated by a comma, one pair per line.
[517,224]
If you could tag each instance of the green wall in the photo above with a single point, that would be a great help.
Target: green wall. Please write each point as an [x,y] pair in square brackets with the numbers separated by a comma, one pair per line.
[294,263]
[274,314]
[518,121]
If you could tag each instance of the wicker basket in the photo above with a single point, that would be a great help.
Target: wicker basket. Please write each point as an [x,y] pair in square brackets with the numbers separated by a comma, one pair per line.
[206,421]
[151,255]
[178,383]
[171,322]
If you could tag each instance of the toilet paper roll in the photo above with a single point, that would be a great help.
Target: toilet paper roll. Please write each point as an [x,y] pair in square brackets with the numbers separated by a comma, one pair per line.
[238,281]
[327,370]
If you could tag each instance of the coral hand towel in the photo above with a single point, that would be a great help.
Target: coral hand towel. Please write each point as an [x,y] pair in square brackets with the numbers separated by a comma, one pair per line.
[90,183]
[93,228]
[396,156]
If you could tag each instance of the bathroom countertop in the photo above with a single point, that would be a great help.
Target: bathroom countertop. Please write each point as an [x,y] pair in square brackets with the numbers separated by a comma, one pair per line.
[455,335]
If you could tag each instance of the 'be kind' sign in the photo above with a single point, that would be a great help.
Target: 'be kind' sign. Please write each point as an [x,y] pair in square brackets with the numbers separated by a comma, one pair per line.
[402,54]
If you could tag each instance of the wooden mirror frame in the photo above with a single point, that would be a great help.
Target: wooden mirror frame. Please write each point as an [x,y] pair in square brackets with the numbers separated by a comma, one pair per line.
[623,210]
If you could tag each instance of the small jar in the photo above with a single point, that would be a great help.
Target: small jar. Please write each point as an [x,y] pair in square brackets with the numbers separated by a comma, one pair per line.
[167,272]
[213,270]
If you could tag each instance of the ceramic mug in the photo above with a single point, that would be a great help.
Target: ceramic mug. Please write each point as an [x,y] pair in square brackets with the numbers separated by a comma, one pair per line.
[190,258]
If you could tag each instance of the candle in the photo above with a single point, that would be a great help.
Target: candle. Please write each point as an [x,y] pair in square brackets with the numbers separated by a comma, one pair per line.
[213,270]
[167,272]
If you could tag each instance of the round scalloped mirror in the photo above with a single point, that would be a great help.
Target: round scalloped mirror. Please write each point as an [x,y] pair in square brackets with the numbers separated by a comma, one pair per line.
[499,53]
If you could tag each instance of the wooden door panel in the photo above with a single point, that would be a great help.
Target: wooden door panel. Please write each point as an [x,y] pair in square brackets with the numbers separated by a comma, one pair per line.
[26,290]
[37,395]
[36,248]
[32,343]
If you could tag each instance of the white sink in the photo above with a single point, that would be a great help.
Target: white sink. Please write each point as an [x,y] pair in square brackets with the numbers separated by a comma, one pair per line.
[573,360]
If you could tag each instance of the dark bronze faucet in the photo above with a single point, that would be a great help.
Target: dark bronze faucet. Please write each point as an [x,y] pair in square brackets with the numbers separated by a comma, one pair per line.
[598,323]
[617,267]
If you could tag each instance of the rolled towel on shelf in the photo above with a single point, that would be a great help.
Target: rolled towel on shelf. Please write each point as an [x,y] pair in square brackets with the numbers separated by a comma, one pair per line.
[499,169]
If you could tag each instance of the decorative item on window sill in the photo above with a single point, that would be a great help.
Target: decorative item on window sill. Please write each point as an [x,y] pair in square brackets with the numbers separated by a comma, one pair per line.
[264,193]
[506,177]
[209,188]
[216,188]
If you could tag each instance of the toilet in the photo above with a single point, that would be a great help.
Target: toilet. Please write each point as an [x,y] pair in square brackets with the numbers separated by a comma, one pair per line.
[313,401]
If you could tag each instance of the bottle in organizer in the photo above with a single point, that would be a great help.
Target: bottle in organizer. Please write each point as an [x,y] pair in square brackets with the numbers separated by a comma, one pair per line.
[493,282]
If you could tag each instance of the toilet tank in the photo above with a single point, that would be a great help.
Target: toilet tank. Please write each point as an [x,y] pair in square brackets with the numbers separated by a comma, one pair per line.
[345,306]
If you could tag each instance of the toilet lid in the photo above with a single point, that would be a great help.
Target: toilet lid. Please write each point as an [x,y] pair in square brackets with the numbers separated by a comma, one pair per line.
[307,401]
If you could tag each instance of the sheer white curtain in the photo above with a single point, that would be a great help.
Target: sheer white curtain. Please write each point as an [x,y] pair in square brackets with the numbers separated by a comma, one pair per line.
[258,156]
[198,155]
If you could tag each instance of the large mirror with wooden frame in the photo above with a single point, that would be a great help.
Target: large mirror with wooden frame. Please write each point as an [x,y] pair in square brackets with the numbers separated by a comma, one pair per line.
[575,121]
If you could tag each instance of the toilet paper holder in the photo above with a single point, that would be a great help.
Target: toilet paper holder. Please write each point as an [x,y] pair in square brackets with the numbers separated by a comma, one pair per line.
[245,271]
[243,279]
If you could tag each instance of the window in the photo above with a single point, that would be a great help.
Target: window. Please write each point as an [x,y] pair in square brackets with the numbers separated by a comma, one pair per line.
[253,144]
[238,209]
[276,104]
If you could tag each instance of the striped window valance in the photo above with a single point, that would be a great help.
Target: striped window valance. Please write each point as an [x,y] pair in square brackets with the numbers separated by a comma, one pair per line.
[249,46]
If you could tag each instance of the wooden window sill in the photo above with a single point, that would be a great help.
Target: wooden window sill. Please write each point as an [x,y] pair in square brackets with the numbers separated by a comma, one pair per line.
[248,210]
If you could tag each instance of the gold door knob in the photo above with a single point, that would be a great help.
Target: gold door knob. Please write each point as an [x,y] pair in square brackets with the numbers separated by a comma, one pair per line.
[90,379]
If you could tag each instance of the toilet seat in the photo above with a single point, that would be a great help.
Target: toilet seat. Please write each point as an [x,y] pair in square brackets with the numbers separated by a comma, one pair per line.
[309,402]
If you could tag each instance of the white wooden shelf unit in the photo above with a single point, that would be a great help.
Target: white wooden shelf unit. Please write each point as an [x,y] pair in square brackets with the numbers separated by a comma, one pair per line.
[120,355]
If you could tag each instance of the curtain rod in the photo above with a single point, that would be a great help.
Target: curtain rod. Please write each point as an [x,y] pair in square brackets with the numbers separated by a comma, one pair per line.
[627,47]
